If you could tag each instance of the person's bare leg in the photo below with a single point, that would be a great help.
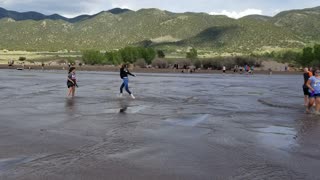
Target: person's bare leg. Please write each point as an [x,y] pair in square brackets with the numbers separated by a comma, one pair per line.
[306,101]
[73,91]
[318,105]
[311,102]
[69,91]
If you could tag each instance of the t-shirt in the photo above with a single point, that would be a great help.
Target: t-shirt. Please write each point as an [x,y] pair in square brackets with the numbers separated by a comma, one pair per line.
[72,76]
[315,84]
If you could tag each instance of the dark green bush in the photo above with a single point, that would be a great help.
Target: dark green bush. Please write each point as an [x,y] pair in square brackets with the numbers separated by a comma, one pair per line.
[22,58]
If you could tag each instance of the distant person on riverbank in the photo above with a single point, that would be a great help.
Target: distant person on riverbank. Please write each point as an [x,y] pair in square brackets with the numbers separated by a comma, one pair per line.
[11,63]
[314,90]
[246,69]
[124,72]
[236,69]
[306,75]
[224,69]
[270,71]
[72,81]
[241,69]
[252,69]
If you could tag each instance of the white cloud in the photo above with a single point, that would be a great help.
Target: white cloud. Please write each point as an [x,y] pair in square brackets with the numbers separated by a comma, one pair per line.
[237,15]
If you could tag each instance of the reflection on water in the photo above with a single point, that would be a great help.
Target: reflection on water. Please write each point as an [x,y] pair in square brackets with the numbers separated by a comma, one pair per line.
[308,128]
[277,137]
[123,104]
[70,104]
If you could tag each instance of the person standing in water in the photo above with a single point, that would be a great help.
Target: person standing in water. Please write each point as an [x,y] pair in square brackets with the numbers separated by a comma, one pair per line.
[314,90]
[306,75]
[72,82]
[224,69]
[124,72]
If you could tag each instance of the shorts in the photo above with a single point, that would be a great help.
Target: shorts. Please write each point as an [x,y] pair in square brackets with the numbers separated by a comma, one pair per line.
[70,84]
[306,91]
[314,96]
[224,71]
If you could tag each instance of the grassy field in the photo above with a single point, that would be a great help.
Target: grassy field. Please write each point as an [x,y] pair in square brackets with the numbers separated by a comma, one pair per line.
[5,56]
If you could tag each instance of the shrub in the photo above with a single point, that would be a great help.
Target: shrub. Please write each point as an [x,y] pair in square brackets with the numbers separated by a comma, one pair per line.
[161,54]
[148,54]
[160,63]
[207,63]
[193,54]
[93,57]
[197,63]
[114,57]
[228,62]
[184,62]
[22,58]
[141,63]
[62,61]
[71,61]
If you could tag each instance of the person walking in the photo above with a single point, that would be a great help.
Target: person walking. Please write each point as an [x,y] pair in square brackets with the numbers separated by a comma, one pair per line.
[72,81]
[314,89]
[124,72]
[306,76]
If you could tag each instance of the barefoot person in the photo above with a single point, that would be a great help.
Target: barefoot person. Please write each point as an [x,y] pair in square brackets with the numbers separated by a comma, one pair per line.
[306,75]
[124,72]
[314,89]
[72,82]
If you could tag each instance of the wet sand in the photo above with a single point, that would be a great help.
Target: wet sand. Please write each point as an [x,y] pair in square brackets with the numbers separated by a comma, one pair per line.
[179,127]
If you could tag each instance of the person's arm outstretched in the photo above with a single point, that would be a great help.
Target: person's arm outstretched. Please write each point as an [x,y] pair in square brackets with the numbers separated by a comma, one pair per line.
[130,73]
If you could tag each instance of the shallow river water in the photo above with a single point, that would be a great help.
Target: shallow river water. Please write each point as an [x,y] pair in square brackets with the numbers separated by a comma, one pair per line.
[180,126]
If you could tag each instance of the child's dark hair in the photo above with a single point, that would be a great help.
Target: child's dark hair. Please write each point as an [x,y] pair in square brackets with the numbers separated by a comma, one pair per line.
[124,66]
[71,69]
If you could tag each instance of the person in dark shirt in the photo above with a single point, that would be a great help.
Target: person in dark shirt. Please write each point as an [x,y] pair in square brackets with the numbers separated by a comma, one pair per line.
[72,82]
[124,72]
[306,75]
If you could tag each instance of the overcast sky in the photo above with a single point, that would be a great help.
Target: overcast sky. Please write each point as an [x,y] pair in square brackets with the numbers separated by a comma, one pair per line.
[231,8]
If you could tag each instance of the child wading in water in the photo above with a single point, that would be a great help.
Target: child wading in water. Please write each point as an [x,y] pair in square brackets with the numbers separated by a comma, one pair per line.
[72,82]
[314,89]
[124,72]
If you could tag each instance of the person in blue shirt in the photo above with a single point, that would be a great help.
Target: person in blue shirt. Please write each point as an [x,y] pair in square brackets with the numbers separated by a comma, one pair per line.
[314,89]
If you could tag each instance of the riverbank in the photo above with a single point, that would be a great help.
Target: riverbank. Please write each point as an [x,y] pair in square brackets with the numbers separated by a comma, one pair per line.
[135,69]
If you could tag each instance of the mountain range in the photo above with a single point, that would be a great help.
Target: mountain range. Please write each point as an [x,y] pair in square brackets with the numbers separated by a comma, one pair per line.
[117,28]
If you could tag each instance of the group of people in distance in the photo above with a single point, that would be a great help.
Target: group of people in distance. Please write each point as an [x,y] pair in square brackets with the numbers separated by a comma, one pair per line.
[247,69]
[311,90]
[124,72]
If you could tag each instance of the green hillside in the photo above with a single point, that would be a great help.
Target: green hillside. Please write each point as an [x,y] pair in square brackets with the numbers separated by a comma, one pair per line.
[303,22]
[164,30]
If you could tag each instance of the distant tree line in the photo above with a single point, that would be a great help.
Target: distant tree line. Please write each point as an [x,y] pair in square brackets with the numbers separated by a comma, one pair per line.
[141,56]
[125,55]
[307,57]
